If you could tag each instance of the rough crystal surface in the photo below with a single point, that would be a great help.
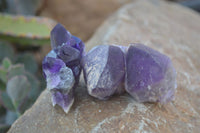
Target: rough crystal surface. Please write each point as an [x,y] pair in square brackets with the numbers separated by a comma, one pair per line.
[104,71]
[69,55]
[68,48]
[52,65]
[150,75]
[59,35]
[76,43]
[64,100]
[61,66]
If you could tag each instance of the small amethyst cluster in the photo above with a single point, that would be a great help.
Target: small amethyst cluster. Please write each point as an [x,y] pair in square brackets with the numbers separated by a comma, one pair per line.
[61,66]
[146,74]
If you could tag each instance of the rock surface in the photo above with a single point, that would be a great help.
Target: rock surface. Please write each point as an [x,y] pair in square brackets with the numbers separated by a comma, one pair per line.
[168,28]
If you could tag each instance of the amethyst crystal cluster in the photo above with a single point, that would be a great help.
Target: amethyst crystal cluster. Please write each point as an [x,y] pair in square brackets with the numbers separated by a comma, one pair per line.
[62,67]
[146,74]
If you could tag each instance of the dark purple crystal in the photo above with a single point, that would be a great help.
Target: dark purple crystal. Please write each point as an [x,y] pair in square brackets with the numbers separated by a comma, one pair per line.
[64,100]
[53,65]
[104,71]
[69,55]
[59,35]
[57,74]
[150,75]
[76,43]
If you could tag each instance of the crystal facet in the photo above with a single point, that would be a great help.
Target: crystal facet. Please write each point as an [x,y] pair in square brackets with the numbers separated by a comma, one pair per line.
[64,100]
[104,71]
[76,43]
[59,35]
[69,55]
[52,65]
[61,66]
[150,75]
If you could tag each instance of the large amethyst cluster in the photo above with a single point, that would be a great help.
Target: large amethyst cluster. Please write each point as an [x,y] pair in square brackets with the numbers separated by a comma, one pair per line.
[144,73]
[62,67]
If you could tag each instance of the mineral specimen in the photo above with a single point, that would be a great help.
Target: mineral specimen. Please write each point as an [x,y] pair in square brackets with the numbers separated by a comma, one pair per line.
[150,75]
[71,57]
[69,48]
[55,72]
[104,71]
[61,66]
[144,73]
[60,81]
[60,36]
[64,100]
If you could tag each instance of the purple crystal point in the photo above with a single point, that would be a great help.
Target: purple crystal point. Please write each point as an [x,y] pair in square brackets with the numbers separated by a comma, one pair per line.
[57,74]
[59,35]
[104,71]
[52,65]
[69,55]
[60,81]
[150,75]
[64,100]
[76,43]
[68,48]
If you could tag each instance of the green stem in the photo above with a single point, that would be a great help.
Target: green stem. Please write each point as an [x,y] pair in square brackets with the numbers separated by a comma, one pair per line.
[16,110]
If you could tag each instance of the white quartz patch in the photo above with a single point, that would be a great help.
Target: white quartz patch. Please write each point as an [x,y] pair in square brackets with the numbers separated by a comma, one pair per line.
[95,64]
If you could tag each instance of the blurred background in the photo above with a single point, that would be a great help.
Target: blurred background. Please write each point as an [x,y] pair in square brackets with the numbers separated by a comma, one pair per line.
[24,41]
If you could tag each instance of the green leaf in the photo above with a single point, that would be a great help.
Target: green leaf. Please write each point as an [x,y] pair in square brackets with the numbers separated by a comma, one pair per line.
[16,70]
[3,75]
[25,30]
[2,86]
[6,63]
[6,50]
[33,93]
[29,62]
[7,101]
[17,89]
[25,105]
[35,86]
[11,117]
[25,7]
